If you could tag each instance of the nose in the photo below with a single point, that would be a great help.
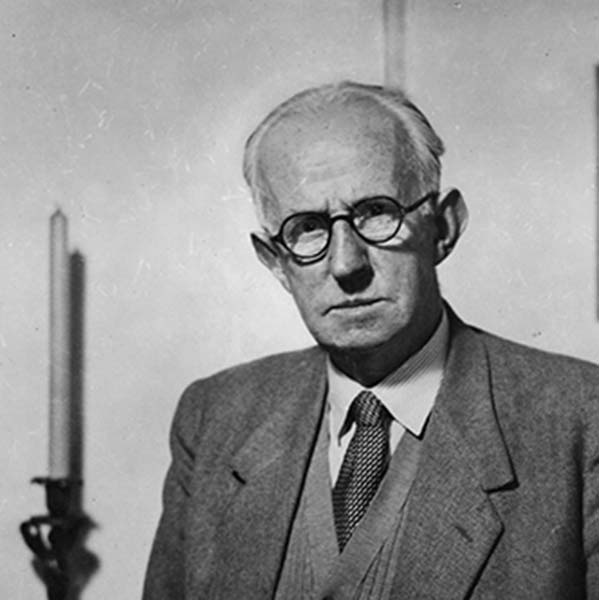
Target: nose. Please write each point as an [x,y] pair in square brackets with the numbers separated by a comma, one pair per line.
[349,262]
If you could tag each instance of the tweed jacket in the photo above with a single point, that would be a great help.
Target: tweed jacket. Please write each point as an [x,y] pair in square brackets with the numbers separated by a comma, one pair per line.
[505,503]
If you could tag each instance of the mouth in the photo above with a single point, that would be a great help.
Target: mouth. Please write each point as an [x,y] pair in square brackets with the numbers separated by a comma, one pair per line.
[354,304]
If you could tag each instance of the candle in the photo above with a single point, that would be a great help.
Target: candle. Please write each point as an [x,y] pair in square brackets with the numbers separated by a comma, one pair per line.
[60,409]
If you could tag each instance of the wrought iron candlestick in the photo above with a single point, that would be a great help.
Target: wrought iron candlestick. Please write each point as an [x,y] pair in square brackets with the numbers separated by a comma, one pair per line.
[54,537]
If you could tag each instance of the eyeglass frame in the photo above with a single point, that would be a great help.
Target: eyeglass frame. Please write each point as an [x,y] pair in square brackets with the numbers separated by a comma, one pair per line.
[348,217]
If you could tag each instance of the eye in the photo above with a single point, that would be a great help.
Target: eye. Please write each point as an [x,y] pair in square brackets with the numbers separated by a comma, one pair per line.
[308,224]
[301,228]
[374,209]
[377,219]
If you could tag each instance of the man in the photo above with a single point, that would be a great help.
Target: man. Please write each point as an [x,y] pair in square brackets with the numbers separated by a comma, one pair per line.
[408,455]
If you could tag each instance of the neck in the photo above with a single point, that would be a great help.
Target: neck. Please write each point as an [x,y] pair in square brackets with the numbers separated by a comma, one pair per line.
[368,366]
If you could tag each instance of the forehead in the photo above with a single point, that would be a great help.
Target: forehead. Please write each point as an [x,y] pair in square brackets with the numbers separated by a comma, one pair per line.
[340,152]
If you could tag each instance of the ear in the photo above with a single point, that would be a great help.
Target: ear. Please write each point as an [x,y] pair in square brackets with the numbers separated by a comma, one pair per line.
[451,221]
[269,256]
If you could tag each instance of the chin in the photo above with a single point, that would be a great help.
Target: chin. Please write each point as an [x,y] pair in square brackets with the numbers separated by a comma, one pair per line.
[358,341]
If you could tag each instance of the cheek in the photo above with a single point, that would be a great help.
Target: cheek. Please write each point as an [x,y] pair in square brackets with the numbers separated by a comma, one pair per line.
[304,287]
[407,278]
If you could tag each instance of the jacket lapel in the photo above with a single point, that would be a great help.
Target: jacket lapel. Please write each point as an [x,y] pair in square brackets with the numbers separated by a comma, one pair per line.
[254,491]
[451,525]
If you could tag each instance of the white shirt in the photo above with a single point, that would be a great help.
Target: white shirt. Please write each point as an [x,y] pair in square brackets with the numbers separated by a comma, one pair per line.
[408,393]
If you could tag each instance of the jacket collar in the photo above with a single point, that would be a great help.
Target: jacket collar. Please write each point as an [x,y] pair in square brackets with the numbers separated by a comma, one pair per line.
[466,401]
[451,524]
[291,422]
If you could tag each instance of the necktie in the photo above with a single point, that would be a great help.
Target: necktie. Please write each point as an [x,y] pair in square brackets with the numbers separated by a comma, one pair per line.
[364,464]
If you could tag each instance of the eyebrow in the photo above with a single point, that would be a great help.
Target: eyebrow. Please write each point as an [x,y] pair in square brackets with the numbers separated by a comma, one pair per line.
[350,205]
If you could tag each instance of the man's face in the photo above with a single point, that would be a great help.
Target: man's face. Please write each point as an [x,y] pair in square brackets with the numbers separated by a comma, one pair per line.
[359,296]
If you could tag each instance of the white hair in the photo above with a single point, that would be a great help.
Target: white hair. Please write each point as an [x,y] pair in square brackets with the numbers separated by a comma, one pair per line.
[427,147]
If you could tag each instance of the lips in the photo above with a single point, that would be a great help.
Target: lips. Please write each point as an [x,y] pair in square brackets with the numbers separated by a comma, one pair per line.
[354,303]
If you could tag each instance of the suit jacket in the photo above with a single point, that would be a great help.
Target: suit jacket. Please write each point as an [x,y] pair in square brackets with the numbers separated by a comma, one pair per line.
[505,504]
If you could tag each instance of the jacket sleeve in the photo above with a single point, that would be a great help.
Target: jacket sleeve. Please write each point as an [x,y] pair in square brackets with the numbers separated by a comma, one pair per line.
[591,484]
[165,575]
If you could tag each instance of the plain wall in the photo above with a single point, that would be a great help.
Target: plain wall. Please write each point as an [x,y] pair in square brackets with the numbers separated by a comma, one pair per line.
[511,88]
[131,116]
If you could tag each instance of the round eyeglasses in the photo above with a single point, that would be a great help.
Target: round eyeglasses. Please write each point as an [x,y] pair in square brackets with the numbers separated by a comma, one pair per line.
[307,235]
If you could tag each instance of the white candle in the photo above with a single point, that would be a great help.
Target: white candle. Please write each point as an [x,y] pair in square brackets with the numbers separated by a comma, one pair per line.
[60,408]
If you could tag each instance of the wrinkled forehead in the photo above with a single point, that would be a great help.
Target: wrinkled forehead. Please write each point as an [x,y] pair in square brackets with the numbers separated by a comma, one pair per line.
[332,142]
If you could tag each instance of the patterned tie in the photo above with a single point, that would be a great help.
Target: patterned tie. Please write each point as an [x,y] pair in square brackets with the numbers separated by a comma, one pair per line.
[364,464]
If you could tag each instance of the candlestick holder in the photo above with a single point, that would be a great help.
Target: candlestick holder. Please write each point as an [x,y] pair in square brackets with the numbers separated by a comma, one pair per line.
[56,539]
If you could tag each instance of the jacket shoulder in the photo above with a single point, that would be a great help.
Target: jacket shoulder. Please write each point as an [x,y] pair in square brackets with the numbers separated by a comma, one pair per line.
[535,362]
[242,391]
[261,373]
[562,384]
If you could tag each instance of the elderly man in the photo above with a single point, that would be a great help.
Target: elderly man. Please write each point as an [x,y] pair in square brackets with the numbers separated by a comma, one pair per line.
[407,455]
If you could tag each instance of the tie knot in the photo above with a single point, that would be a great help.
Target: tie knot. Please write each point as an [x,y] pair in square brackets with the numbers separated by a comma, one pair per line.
[367,410]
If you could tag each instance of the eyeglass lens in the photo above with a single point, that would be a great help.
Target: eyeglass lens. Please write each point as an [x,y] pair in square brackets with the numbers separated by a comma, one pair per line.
[375,219]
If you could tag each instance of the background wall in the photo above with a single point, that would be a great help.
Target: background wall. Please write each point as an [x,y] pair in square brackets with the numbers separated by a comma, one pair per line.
[510,86]
[131,116]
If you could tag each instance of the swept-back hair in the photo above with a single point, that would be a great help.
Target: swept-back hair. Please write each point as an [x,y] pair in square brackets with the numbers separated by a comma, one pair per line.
[427,147]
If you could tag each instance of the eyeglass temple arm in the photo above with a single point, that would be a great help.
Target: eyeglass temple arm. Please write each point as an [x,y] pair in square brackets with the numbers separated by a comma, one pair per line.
[420,202]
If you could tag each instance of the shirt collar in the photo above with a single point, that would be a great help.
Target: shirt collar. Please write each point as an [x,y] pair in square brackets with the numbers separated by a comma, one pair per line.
[408,393]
